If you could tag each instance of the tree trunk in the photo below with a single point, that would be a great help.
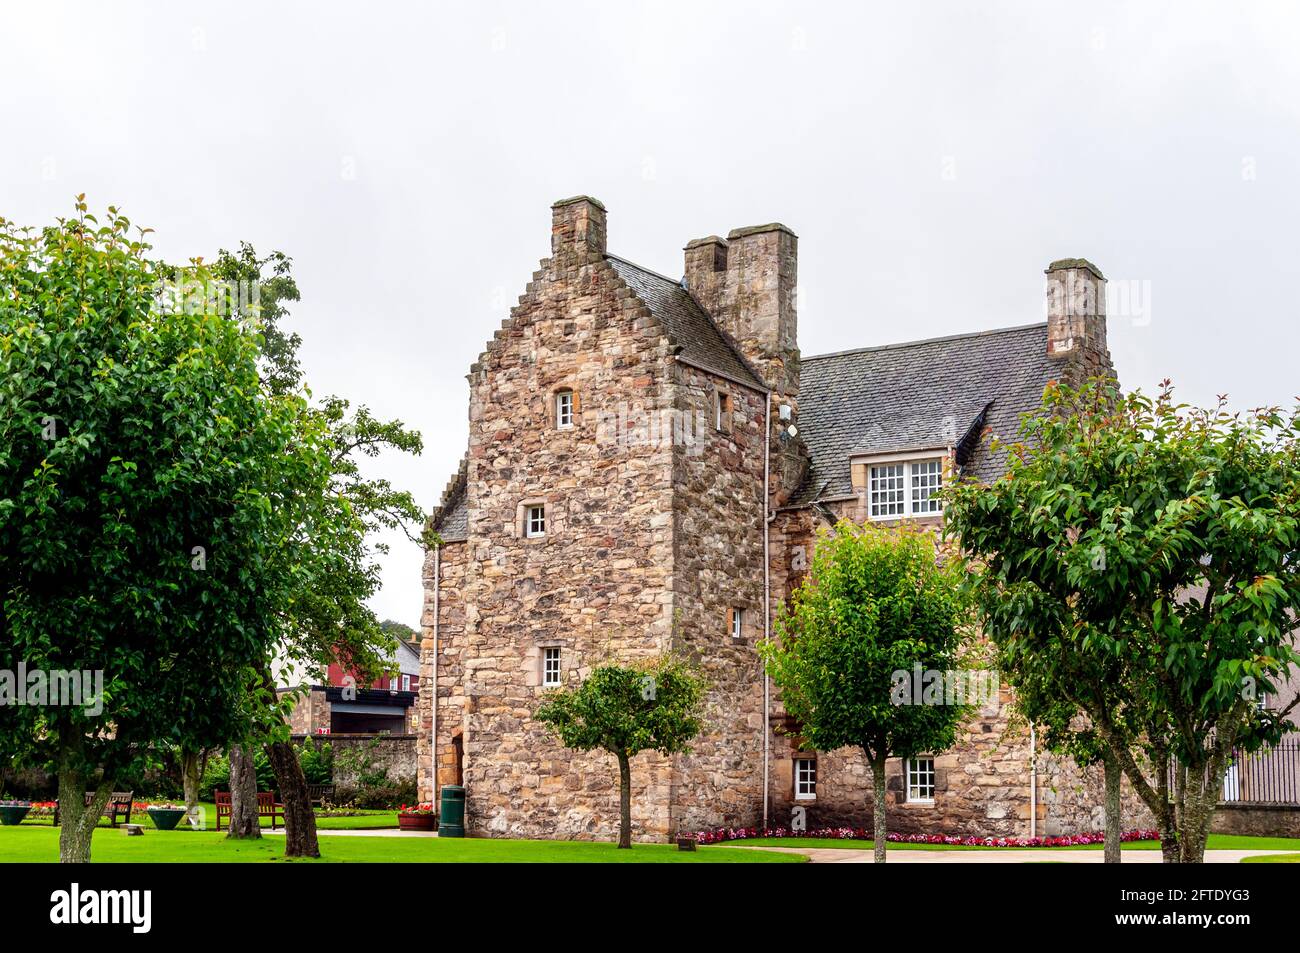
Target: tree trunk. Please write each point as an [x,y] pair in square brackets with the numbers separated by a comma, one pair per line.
[299,821]
[878,831]
[77,821]
[624,802]
[243,795]
[1114,811]
[190,785]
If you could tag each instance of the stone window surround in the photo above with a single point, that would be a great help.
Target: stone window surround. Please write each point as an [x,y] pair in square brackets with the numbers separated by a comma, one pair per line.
[862,481]
[736,613]
[804,757]
[522,518]
[533,661]
[553,406]
[723,408]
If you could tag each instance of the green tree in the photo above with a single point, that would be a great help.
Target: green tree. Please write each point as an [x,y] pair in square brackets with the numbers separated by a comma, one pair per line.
[1156,542]
[335,543]
[149,485]
[626,709]
[876,603]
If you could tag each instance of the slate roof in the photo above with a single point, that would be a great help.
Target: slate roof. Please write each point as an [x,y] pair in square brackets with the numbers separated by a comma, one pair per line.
[919,395]
[686,323]
[450,518]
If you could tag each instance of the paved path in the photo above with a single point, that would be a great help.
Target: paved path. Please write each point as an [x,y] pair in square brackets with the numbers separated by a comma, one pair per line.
[1001,855]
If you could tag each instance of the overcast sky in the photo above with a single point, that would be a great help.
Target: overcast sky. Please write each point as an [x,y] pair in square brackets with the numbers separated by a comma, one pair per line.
[932,161]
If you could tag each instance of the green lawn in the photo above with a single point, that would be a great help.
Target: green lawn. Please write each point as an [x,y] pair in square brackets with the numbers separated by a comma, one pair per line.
[36,844]
[367,820]
[1273,859]
[1216,842]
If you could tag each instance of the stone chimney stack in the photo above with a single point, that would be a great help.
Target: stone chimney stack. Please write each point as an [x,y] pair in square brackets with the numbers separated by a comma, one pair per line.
[1076,318]
[578,229]
[747,285]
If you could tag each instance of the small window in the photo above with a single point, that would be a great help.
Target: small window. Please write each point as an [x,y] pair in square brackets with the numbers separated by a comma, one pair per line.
[535,522]
[392,684]
[920,780]
[722,412]
[406,683]
[551,666]
[737,623]
[906,488]
[805,779]
[564,408]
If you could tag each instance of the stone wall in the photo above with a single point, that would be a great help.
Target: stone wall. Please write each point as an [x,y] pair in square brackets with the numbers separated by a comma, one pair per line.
[311,712]
[394,754]
[718,568]
[1259,820]
[598,585]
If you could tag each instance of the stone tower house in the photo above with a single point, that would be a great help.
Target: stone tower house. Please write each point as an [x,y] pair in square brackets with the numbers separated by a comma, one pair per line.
[648,460]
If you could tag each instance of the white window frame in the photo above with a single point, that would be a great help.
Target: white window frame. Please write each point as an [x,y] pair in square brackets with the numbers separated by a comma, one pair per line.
[737,622]
[406,683]
[921,771]
[564,409]
[909,466]
[535,520]
[552,675]
[805,779]
[392,683]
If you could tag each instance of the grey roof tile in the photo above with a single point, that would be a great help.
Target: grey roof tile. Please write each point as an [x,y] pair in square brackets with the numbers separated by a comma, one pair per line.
[686,323]
[919,395]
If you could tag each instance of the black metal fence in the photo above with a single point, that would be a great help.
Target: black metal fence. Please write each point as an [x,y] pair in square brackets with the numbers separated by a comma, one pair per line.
[1266,776]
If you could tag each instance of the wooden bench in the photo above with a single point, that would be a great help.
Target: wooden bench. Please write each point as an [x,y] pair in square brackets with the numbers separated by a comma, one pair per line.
[267,806]
[119,806]
[320,794]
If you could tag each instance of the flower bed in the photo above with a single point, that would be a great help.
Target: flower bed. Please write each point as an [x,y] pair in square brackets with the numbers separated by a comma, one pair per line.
[723,834]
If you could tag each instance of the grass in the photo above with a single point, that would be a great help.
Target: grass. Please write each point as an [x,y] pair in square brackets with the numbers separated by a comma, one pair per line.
[1216,842]
[366,820]
[40,844]
[1272,859]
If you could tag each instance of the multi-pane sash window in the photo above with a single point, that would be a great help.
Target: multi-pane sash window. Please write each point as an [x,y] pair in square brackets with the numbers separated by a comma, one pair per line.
[535,521]
[564,408]
[551,666]
[920,779]
[904,488]
[805,779]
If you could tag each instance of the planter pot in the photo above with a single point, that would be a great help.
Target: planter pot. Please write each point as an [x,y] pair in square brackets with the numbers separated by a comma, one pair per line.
[11,814]
[166,818]
[417,822]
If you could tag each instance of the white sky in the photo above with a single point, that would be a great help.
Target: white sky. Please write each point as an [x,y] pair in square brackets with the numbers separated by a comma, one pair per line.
[932,161]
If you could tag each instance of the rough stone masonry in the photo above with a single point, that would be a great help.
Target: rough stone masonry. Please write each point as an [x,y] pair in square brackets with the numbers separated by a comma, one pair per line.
[611,505]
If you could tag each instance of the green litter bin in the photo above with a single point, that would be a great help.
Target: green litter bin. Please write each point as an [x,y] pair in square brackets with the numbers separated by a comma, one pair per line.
[451,816]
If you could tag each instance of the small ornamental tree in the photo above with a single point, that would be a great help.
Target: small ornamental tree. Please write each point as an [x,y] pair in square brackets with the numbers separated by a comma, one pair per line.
[626,709]
[876,603]
[1157,543]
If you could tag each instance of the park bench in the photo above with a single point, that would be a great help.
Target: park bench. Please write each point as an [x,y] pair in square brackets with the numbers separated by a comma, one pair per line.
[267,806]
[118,806]
[320,794]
